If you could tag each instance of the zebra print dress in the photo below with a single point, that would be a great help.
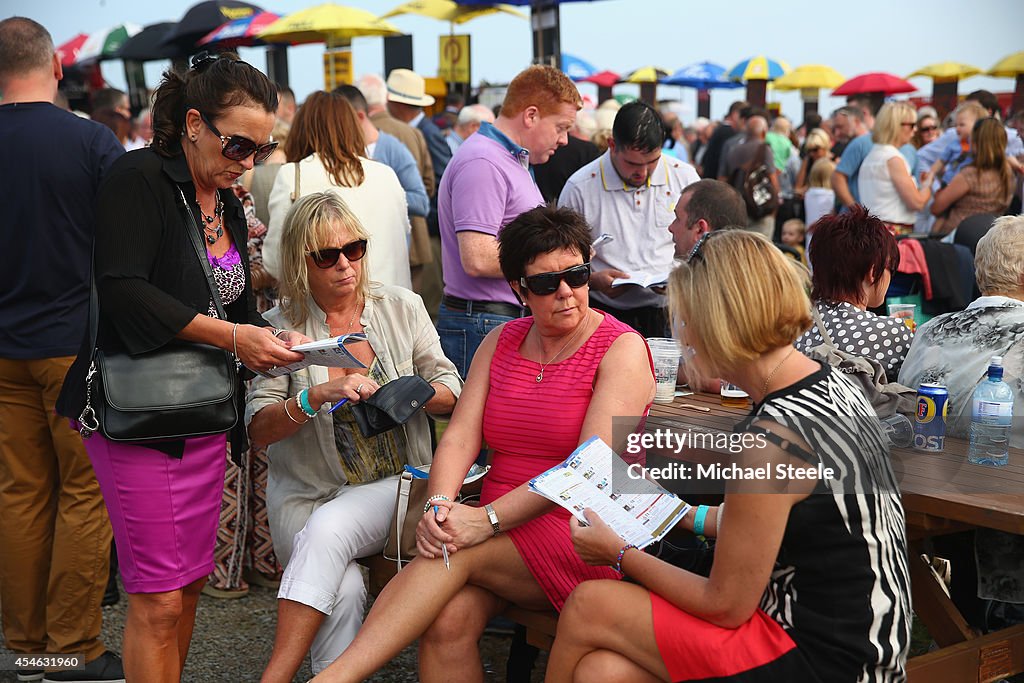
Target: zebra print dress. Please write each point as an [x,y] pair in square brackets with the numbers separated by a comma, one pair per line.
[841,583]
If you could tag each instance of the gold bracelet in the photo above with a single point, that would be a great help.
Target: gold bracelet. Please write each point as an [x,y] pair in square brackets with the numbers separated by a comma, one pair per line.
[290,415]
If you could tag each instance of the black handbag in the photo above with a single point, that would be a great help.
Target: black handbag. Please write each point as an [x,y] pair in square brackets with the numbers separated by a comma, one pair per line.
[177,391]
[392,405]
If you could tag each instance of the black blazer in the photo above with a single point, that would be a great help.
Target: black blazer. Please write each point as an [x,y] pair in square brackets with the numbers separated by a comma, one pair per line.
[149,281]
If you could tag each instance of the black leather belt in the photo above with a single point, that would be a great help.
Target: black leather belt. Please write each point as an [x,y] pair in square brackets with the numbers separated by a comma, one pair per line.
[454,303]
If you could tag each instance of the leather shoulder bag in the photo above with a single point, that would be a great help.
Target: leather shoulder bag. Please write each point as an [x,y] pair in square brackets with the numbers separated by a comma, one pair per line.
[177,391]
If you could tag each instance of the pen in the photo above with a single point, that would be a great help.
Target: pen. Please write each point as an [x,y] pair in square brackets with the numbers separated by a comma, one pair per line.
[337,405]
[444,548]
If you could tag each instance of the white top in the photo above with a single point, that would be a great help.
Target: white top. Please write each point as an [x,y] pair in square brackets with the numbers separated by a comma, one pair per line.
[379,204]
[877,191]
[818,201]
[637,217]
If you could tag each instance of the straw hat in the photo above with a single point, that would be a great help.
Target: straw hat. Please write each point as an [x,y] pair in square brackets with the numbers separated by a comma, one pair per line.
[408,87]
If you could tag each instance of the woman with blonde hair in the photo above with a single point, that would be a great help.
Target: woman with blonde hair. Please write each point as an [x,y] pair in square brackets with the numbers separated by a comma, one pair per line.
[985,185]
[810,579]
[331,492]
[325,151]
[887,187]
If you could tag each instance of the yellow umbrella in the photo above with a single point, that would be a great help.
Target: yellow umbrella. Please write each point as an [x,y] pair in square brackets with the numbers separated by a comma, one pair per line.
[813,76]
[1008,67]
[946,71]
[328,23]
[647,77]
[450,11]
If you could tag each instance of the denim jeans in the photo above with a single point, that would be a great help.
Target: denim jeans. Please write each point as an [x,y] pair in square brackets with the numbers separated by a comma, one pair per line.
[462,332]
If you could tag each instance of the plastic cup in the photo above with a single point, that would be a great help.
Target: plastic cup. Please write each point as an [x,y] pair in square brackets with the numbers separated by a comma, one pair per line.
[898,429]
[666,354]
[905,312]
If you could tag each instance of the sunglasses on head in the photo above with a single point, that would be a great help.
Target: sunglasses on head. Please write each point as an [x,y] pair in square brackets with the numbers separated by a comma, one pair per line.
[327,258]
[237,147]
[543,284]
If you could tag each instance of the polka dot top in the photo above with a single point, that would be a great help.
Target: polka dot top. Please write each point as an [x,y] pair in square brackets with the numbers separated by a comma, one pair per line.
[861,333]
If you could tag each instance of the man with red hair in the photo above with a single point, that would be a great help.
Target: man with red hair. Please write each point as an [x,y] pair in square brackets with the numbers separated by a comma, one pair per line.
[487,184]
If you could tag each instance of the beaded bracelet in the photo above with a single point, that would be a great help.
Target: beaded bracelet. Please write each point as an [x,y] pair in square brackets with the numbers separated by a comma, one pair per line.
[303,401]
[433,499]
[622,553]
[288,413]
[698,519]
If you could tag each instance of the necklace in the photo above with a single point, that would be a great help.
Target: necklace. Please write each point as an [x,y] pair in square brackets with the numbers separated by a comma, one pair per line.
[352,320]
[544,366]
[771,375]
[213,232]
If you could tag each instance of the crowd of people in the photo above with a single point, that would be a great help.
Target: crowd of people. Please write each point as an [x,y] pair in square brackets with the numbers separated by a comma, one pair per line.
[514,260]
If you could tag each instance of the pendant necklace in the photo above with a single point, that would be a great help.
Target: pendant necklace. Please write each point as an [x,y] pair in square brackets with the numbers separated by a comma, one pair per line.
[352,320]
[213,233]
[544,366]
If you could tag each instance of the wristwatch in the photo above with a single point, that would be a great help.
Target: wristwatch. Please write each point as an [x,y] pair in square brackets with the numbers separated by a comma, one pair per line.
[493,517]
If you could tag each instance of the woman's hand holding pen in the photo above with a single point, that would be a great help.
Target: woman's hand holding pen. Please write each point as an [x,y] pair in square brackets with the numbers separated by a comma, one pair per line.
[459,526]
[259,349]
[349,389]
[430,535]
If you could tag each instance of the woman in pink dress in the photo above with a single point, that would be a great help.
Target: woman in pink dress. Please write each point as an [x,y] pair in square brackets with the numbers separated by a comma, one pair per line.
[537,388]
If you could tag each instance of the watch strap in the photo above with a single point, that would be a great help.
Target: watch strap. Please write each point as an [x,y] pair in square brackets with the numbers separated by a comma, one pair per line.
[493,517]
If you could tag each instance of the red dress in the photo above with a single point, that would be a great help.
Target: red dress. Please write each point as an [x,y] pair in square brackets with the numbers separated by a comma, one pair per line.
[534,426]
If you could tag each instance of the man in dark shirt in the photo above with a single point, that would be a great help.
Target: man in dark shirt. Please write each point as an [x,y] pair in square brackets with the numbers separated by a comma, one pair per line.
[728,128]
[54,532]
[552,176]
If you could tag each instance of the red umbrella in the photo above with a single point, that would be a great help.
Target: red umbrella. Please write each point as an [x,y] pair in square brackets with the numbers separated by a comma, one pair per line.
[240,32]
[875,82]
[603,79]
[68,52]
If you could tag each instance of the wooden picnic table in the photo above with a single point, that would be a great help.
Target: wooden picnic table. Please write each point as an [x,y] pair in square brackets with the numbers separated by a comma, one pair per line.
[942,493]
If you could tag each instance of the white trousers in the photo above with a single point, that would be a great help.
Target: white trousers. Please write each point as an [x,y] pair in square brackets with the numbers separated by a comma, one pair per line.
[322,572]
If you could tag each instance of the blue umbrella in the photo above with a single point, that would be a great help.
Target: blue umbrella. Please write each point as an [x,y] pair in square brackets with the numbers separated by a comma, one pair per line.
[759,68]
[701,75]
[576,68]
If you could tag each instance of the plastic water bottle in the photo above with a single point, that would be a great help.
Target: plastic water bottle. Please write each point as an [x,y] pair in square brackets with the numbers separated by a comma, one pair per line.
[991,415]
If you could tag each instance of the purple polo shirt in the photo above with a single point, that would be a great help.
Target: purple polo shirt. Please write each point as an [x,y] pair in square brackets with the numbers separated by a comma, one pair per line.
[486,184]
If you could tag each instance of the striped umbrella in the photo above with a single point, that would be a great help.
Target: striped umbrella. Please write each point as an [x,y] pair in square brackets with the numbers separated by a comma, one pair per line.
[241,31]
[757,71]
[647,77]
[106,43]
[759,68]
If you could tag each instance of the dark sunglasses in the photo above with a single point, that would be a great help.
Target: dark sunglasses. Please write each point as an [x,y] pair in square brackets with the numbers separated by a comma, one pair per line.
[543,284]
[926,129]
[327,258]
[696,253]
[238,148]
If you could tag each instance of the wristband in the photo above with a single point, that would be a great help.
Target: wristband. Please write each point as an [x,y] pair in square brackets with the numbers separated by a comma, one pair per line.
[303,401]
[433,499]
[298,422]
[234,339]
[622,553]
[698,519]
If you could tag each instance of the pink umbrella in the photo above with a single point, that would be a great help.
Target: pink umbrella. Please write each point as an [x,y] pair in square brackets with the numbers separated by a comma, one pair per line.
[604,81]
[240,31]
[875,82]
[68,52]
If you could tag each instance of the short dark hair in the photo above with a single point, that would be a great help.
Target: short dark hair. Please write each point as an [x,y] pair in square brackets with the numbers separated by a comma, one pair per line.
[284,92]
[986,99]
[737,106]
[354,96]
[812,120]
[107,98]
[211,85]
[638,126]
[540,231]
[25,45]
[718,203]
[846,248]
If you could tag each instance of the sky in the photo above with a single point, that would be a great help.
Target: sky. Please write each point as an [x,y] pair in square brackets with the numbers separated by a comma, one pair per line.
[853,37]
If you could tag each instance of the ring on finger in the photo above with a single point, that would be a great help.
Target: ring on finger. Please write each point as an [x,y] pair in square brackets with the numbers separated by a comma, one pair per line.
[359,389]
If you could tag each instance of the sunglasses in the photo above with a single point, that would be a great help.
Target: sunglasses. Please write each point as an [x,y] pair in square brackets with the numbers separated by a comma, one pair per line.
[909,124]
[327,258]
[238,148]
[696,253]
[543,284]
[927,129]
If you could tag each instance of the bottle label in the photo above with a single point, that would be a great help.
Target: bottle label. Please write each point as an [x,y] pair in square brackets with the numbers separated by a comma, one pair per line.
[992,412]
